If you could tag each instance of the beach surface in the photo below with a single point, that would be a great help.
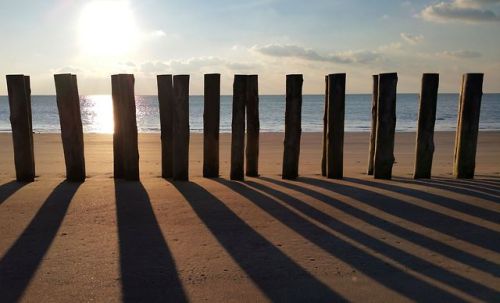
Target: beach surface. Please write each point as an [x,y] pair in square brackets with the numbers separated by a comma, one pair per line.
[265,239]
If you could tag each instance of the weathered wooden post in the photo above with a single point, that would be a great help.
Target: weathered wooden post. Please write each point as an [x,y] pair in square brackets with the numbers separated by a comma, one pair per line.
[464,162]
[166,101]
[335,119]
[386,126]
[211,122]
[125,145]
[425,130]
[181,128]
[325,125]
[238,128]
[373,133]
[253,126]
[19,91]
[293,126]
[68,105]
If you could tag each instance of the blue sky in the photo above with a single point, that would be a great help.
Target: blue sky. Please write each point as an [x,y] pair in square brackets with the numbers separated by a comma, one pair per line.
[272,38]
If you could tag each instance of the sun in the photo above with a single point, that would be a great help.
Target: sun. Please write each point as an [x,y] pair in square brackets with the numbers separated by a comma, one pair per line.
[108,28]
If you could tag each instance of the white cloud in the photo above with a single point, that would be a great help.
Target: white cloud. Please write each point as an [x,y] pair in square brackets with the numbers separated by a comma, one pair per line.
[470,11]
[460,54]
[294,51]
[412,39]
[194,65]
[158,33]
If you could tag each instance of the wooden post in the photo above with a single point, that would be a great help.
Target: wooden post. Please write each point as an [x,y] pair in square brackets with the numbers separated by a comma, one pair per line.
[325,123]
[68,105]
[19,91]
[211,122]
[335,119]
[166,100]
[238,128]
[468,126]
[253,126]
[386,126]
[425,130]
[125,145]
[373,133]
[293,126]
[181,128]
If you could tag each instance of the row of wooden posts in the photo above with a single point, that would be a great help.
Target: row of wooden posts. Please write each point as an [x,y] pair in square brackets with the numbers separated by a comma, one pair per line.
[173,96]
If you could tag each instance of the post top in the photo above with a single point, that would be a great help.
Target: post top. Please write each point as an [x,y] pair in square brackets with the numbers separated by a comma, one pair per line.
[15,75]
[388,74]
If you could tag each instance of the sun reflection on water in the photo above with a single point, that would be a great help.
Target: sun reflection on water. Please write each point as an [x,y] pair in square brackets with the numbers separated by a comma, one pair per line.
[97,114]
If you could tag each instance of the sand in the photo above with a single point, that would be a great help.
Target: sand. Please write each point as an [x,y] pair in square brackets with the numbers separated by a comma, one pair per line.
[261,240]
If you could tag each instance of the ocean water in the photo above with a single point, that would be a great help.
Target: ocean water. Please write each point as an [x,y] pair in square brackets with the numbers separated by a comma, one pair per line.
[97,113]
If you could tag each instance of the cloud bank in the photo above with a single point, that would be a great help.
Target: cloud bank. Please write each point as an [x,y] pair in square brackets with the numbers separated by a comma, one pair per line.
[469,11]
[294,51]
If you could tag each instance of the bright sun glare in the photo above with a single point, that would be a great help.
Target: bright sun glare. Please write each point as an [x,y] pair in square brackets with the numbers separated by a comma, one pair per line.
[108,28]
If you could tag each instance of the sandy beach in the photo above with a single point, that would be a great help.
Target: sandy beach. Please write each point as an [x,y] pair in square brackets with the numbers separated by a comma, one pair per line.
[264,239]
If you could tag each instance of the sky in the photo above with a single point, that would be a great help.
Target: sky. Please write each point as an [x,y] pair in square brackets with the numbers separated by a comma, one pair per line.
[95,39]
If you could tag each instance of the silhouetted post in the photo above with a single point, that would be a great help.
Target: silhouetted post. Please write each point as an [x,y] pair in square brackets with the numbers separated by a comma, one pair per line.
[166,106]
[68,105]
[335,119]
[425,130]
[125,146]
[386,126]
[238,128]
[181,128]
[211,122]
[464,162]
[253,126]
[325,124]
[293,126]
[373,133]
[19,91]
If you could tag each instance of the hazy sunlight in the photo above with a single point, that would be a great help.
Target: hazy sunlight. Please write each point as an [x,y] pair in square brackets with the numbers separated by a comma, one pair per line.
[108,28]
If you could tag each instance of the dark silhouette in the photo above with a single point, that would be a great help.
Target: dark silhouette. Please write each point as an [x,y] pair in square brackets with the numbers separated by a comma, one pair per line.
[265,264]
[383,272]
[9,188]
[398,255]
[395,229]
[22,260]
[148,270]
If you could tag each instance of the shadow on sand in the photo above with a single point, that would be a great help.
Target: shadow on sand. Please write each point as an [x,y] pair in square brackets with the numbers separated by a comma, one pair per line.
[21,261]
[383,272]
[148,270]
[9,188]
[269,268]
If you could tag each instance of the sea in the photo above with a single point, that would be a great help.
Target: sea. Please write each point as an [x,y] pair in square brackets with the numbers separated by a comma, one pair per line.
[97,113]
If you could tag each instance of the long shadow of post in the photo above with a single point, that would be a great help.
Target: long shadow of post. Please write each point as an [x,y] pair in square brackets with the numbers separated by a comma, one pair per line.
[472,190]
[439,222]
[9,188]
[148,270]
[398,255]
[395,229]
[21,261]
[384,273]
[450,203]
[278,276]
